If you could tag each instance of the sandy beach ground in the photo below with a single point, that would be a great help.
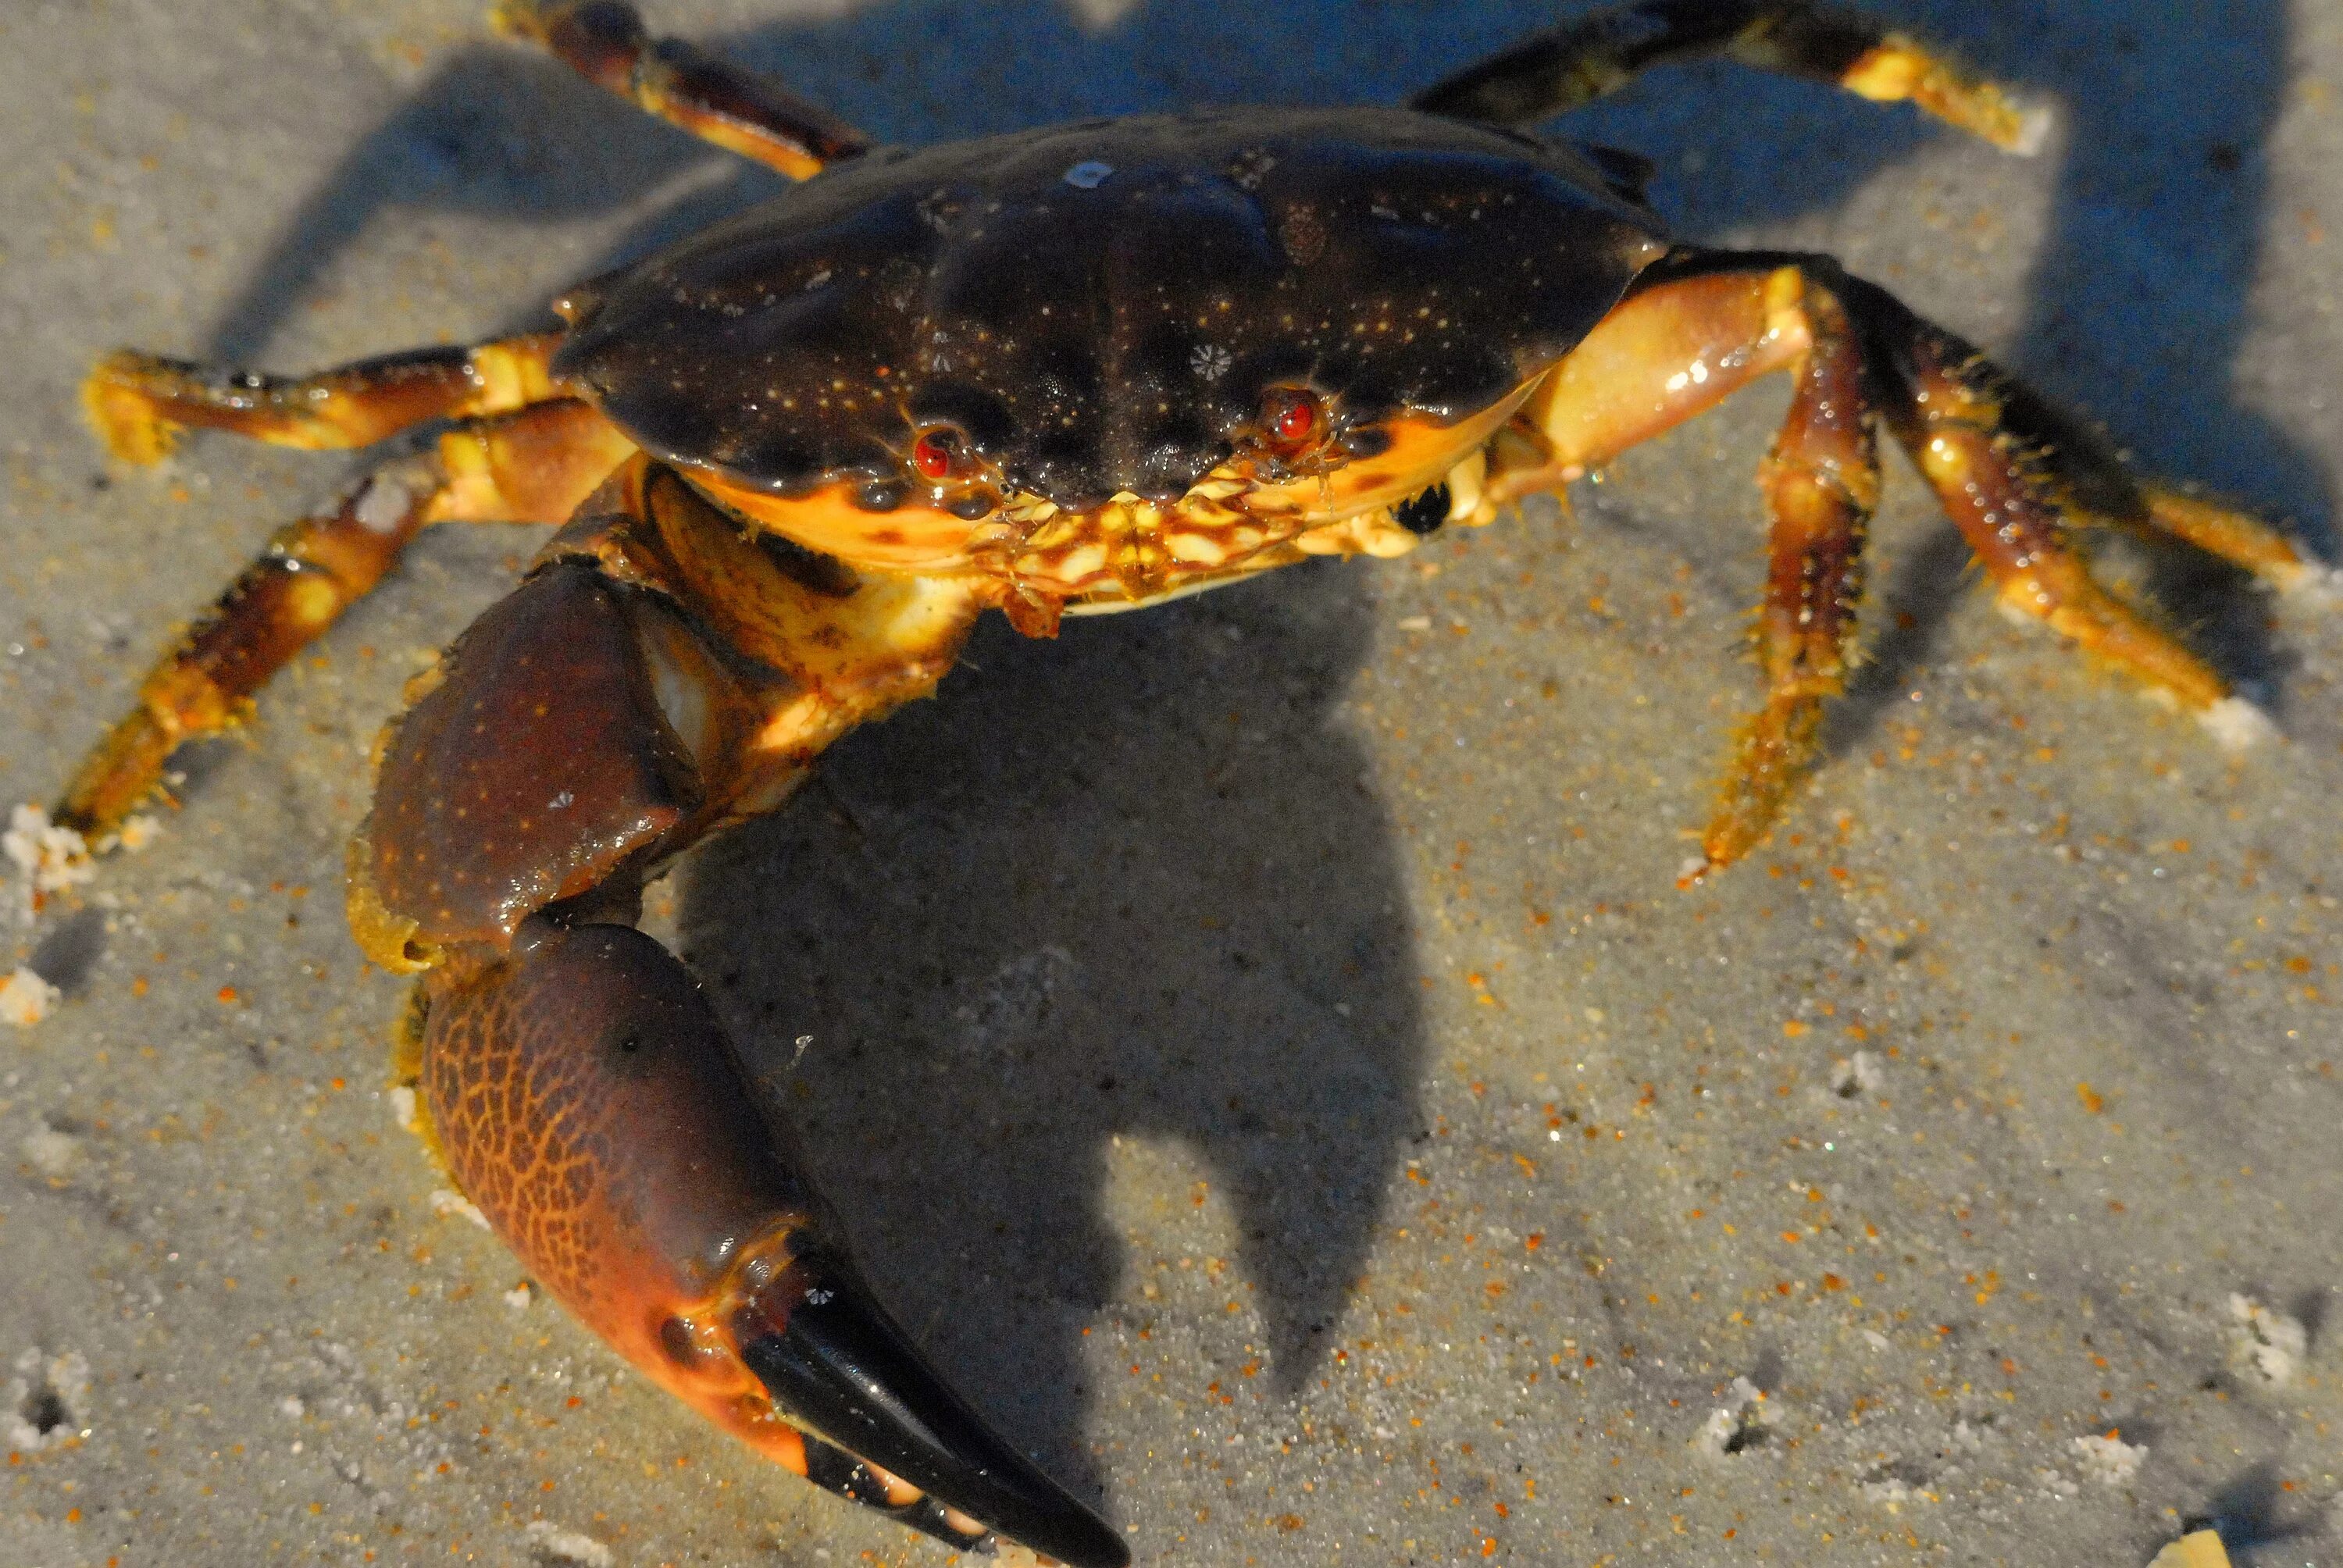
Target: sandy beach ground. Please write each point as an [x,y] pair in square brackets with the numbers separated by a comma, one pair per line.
[1258,1045]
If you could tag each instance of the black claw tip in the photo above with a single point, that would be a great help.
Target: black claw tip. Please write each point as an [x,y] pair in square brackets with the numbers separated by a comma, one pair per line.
[840,1367]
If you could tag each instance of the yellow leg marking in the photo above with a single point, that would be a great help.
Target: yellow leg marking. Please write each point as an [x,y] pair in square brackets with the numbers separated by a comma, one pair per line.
[1899,69]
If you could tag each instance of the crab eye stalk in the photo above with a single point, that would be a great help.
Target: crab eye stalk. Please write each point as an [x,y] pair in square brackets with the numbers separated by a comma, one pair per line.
[1292,419]
[1295,417]
[939,454]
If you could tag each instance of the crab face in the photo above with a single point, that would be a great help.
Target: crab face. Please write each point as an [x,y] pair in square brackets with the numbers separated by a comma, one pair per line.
[1111,361]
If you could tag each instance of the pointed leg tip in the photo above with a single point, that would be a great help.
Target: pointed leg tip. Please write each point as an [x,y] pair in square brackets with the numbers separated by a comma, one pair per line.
[2237,725]
[518,19]
[2031,124]
[123,416]
[2317,586]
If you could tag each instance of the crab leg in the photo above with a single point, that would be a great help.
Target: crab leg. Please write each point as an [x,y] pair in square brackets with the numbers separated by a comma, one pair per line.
[2017,501]
[1821,483]
[1582,61]
[575,1084]
[141,402]
[605,42]
[2015,474]
[534,466]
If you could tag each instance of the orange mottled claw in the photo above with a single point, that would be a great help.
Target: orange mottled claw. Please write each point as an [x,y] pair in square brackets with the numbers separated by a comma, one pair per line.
[584,1096]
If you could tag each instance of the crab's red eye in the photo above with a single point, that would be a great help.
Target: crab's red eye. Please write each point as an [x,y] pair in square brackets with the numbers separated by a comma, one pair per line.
[936,453]
[1292,416]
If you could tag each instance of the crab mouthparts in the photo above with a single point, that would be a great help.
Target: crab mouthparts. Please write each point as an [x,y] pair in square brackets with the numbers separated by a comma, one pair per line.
[1142,547]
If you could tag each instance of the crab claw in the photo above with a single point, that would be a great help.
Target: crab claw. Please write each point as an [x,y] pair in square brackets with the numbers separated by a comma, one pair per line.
[841,1366]
[584,1096]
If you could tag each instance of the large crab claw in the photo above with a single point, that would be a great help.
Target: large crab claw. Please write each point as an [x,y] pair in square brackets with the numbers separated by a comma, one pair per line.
[575,1082]
[584,1095]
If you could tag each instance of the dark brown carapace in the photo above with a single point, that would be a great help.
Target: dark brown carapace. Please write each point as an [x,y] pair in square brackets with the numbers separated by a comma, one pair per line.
[791,460]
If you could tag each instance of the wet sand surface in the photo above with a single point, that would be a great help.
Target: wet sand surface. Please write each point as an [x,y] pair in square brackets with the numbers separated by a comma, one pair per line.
[1257,1045]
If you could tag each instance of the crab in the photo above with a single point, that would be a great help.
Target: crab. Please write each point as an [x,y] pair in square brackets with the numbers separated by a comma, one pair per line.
[791,460]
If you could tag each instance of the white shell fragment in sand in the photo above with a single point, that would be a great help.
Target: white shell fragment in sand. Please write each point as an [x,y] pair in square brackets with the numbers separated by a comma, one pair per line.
[49,856]
[46,1404]
[25,999]
[444,1203]
[549,1543]
[52,1152]
[2109,1460]
[2268,1342]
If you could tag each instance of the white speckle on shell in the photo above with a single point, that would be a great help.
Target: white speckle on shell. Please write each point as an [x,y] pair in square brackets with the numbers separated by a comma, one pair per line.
[1210,361]
[1088,174]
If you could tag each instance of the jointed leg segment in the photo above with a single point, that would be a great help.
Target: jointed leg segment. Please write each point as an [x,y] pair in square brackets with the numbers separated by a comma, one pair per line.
[2016,476]
[1583,60]
[141,402]
[605,42]
[1821,483]
[533,466]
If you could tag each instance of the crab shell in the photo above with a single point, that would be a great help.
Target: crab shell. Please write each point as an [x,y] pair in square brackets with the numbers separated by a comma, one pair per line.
[1097,311]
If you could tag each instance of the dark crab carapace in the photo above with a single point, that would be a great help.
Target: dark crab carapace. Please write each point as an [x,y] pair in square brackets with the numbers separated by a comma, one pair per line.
[1064,371]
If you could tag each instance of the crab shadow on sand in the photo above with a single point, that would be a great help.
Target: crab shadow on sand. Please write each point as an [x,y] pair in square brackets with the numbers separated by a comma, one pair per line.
[1112,888]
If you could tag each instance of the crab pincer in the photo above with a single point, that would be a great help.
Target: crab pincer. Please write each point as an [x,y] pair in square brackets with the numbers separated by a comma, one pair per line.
[572,1079]
[583,1094]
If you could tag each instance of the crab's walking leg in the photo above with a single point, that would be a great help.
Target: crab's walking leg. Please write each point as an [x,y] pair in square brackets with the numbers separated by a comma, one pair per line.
[534,466]
[141,402]
[656,675]
[2017,475]
[2017,500]
[2070,463]
[1821,484]
[605,42]
[1675,348]
[1583,60]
